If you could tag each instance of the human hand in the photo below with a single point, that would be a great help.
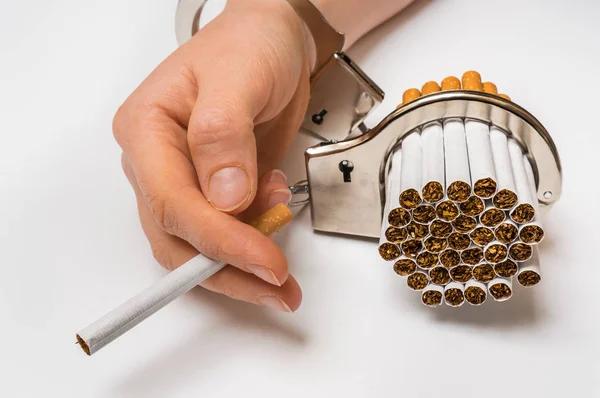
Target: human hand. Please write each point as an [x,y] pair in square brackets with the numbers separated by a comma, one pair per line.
[196,135]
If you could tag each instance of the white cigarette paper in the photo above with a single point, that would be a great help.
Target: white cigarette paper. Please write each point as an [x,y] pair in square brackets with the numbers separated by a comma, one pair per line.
[506,291]
[502,162]
[432,170]
[537,220]
[146,303]
[410,173]
[530,272]
[456,155]
[521,180]
[452,286]
[428,301]
[481,160]
[392,192]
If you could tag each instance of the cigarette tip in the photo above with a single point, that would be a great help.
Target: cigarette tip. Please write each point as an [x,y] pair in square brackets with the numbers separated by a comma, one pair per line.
[471,80]
[430,87]
[490,87]
[410,95]
[83,345]
[450,83]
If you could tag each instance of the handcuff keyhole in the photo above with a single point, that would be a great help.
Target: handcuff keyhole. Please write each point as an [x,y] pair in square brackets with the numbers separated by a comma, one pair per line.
[317,118]
[346,168]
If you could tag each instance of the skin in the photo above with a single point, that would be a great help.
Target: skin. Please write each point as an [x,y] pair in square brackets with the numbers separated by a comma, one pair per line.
[202,137]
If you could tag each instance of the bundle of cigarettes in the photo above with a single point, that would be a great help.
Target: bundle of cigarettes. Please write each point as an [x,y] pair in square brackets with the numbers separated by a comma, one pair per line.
[461,217]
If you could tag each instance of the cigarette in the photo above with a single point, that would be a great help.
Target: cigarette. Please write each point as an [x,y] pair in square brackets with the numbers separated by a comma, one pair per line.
[495,252]
[481,160]
[492,217]
[399,217]
[491,88]
[417,231]
[410,95]
[458,241]
[427,259]
[405,266]
[432,296]
[472,256]
[520,251]
[430,87]
[506,269]
[435,245]
[461,273]
[464,224]
[506,232]
[424,214]
[471,80]
[449,258]
[454,294]
[482,236]
[439,275]
[458,177]
[524,211]
[473,206]
[450,83]
[500,289]
[483,273]
[176,283]
[417,281]
[530,272]
[440,229]
[396,235]
[391,196]
[412,247]
[475,292]
[447,210]
[531,233]
[389,251]
[506,197]
[432,177]
[410,171]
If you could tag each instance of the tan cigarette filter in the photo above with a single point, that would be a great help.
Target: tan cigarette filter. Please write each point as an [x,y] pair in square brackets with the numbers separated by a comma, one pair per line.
[450,83]
[410,95]
[490,87]
[273,220]
[471,80]
[430,87]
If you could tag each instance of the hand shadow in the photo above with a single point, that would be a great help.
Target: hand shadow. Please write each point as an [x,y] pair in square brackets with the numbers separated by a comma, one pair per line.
[189,359]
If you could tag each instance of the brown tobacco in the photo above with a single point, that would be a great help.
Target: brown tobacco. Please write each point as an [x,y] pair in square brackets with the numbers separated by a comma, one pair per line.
[483,273]
[427,259]
[523,213]
[412,247]
[492,217]
[405,267]
[424,214]
[485,188]
[458,241]
[410,199]
[500,291]
[506,269]
[464,223]
[506,232]
[531,234]
[475,295]
[389,251]
[472,207]
[472,256]
[520,252]
[529,278]
[417,231]
[495,253]
[505,199]
[433,192]
[454,296]
[399,217]
[417,281]
[440,229]
[449,258]
[459,191]
[461,273]
[439,276]
[447,210]
[435,245]
[482,236]
[431,298]
[396,235]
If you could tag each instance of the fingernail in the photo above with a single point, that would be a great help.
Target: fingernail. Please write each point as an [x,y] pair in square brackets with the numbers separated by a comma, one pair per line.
[274,302]
[228,188]
[264,273]
[278,176]
[279,196]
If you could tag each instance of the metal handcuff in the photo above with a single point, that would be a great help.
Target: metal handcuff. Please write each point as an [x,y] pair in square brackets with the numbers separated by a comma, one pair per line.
[347,172]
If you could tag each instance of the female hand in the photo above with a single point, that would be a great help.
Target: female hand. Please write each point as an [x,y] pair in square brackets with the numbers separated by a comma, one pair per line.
[201,137]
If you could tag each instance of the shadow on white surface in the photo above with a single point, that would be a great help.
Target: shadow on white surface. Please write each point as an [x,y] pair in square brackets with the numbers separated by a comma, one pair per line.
[209,346]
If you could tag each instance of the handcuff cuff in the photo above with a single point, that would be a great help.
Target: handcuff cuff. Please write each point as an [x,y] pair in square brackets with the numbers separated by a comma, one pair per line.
[347,172]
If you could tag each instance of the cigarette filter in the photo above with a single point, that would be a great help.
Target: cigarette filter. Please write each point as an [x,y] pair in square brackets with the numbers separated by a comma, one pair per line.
[176,283]
[432,169]
[427,259]
[454,294]
[412,247]
[483,273]
[389,251]
[440,229]
[449,258]
[458,241]
[472,256]
[475,292]
[461,273]
[506,197]
[439,275]
[481,159]
[435,245]
[482,236]
[458,177]
[432,295]
[530,272]
[417,231]
[506,269]
[405,266]
[473,206]
[464,224]
[520,251]
[495,252]
[500,289]
[506,232]
[396,235]
[447,210]
[524,211]
[410,180]
[424,214]
[417,281]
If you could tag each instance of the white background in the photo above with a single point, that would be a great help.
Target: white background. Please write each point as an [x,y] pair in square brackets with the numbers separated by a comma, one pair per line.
[71,246]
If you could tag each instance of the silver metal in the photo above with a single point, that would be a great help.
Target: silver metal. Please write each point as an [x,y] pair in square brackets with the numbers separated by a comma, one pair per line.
[299,188]
[356,207]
